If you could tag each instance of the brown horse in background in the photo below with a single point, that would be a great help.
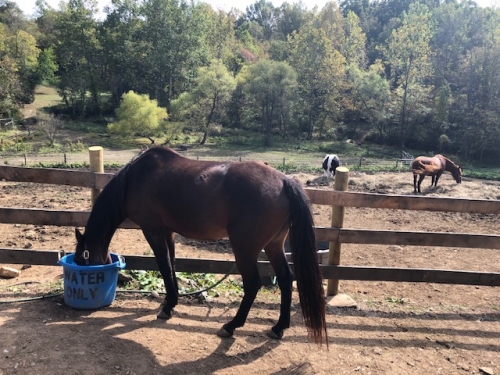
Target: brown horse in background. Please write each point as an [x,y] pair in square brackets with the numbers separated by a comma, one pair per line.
[253,204]
[433,166]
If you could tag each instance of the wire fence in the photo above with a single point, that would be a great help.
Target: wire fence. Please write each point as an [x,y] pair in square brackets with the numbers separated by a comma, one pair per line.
[287,161]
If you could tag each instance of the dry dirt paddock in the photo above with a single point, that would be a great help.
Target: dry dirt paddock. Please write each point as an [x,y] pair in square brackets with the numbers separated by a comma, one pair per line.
[396,328]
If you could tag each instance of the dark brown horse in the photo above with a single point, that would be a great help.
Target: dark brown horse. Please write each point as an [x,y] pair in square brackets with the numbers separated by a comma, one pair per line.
[433,166]
[249,202]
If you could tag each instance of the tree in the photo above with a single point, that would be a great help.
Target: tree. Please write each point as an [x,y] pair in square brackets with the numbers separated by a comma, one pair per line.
[321,73]
[290,18]
[18,65]
[354,44]
[220,38]
[478,112]
[120,38]
[331,21]
[79,56]
[138,115]
[370,93]
[263,13]
[207,101]
[49,125]
[46,67]
[270,89]
[10,87]
[407,54]
[171,48]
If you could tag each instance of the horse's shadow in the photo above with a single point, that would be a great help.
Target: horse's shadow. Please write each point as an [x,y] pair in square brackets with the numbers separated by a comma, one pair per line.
[106,340]
[102,341]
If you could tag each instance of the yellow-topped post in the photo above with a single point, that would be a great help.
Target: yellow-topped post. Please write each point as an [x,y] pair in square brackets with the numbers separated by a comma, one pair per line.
[341,180]
[96,155]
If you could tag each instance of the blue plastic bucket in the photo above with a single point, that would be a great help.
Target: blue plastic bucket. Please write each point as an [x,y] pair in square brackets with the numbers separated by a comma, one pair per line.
[90,287]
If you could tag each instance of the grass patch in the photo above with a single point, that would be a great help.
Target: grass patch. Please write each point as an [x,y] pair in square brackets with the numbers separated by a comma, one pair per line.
[45,97]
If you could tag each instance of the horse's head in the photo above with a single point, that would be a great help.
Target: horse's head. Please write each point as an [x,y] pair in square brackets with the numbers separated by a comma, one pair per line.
[457,174]
[85,256]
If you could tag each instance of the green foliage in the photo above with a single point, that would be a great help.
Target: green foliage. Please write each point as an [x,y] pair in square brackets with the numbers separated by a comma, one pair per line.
[18,64]
[62,165]
[206,102]
[145,280]
[320,69]
[270,88]
[46,67]
[408,55]
[188,282]
[138,115]
[79,57]
[442,59]
[14,144]
[193,282]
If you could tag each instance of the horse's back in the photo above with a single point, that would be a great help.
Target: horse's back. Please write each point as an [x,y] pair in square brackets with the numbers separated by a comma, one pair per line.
[428,165]
[201,197]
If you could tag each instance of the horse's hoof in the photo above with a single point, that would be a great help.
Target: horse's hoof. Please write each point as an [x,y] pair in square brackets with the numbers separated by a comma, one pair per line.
[163,315]
[273,335]
[223,333]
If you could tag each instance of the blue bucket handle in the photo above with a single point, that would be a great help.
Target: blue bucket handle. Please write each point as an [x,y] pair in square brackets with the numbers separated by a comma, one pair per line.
[121,261]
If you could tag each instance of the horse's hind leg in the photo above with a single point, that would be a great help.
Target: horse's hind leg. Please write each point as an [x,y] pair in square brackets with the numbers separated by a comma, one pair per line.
[246,261]
[421,178]
[171,254]
[414,183]
[161,241]
[278,261]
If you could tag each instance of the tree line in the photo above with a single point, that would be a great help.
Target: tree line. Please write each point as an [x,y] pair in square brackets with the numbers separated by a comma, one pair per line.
[423,75]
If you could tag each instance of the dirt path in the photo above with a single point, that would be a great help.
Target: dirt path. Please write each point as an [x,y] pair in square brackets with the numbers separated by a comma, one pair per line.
[397,328]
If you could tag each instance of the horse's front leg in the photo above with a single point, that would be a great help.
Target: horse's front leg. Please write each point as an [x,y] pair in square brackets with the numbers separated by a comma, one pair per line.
[162,243]
[437,178]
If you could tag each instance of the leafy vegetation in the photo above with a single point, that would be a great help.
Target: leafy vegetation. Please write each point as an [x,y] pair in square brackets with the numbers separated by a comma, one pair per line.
[138,115]
[188,283]
[421,76]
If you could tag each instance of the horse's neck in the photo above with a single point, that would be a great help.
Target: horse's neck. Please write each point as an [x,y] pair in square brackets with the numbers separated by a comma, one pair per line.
[107,214]
[450,166]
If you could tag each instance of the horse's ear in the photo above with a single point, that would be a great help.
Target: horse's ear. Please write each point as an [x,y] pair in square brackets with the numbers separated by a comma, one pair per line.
[78,235]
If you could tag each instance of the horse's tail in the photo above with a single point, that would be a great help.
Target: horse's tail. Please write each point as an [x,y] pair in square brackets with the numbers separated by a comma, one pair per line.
[305,260]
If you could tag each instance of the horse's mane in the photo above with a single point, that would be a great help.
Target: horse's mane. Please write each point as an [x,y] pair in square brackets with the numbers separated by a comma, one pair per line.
[108,211]
[449,161]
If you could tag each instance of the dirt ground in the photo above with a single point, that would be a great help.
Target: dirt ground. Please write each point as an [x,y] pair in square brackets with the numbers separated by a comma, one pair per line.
[396,328]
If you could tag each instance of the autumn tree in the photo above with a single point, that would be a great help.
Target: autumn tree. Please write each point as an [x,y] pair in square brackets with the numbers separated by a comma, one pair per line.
[139,115]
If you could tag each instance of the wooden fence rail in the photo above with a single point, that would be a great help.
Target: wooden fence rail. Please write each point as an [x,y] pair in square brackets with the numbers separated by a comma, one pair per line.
[338,235]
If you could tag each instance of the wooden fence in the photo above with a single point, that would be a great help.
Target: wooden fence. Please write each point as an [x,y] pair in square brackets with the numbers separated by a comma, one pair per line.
[93,180]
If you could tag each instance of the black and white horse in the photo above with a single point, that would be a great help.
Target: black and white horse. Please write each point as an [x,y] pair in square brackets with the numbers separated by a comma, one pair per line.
[330,164]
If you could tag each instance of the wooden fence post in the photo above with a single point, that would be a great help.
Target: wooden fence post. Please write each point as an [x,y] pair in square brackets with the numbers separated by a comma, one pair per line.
[96,155]
[341,179]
